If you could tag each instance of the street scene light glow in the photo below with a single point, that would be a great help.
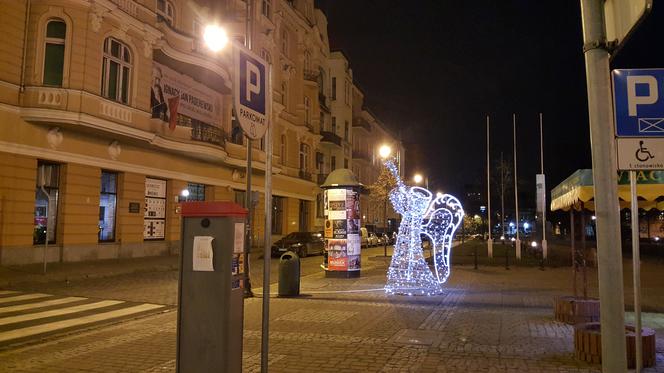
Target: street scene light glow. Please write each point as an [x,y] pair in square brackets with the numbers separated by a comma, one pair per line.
[417,178]
[184,193]
[384,151]
[215,37]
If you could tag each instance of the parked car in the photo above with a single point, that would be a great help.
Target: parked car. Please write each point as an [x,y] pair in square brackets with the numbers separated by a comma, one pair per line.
[373,239]
[302,243]
[364,237]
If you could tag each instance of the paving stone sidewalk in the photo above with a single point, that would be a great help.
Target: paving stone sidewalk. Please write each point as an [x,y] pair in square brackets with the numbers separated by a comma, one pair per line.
[489,320]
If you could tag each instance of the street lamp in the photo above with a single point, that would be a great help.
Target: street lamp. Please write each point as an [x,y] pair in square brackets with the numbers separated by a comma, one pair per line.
[384,152]
[215,37]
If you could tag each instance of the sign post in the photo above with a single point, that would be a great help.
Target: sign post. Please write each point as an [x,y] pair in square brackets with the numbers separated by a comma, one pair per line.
[639,113]
[253,107]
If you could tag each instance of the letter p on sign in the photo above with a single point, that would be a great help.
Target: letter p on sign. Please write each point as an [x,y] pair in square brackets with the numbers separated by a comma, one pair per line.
[633,100]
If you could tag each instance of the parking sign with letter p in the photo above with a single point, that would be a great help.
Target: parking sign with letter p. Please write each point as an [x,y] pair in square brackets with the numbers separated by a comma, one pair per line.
[250,92]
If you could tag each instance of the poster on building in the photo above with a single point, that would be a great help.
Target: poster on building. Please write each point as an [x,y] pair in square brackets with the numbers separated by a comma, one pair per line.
[353,244]
[328,232]
[352,205]
[155,207]
[353,262]
[155,188]
[339,229]
[153,229]
[195,99]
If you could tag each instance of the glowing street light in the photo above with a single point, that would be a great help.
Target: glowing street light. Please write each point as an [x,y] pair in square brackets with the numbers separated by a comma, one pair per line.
[385,151]
[184,193]
[215,37]
[418,178]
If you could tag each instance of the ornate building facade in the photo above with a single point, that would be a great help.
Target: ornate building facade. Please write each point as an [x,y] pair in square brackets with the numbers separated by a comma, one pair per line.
[111,108]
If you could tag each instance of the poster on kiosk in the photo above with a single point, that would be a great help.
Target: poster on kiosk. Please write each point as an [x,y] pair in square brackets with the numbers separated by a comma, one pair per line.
[342,231]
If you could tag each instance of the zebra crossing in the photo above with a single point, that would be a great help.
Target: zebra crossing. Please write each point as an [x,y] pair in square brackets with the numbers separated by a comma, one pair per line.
[30,316]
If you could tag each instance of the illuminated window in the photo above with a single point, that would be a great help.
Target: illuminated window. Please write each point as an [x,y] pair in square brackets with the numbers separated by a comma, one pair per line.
[108,197]
[54,52]
[116,71]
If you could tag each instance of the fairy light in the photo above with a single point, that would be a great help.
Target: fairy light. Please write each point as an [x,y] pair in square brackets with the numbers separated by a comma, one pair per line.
[438,218]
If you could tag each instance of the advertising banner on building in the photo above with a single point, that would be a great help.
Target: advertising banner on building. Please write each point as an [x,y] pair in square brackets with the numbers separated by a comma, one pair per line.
[194,99]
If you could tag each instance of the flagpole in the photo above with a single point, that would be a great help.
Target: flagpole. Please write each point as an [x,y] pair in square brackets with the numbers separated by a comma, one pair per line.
[544,243]
[516,193]
[488,192]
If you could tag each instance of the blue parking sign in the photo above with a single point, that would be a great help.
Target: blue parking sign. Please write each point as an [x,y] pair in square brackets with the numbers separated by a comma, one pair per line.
[250,92]
[639,102]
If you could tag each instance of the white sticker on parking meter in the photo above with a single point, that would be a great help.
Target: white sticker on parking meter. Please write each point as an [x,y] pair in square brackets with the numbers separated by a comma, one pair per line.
[202,253]
[238,244]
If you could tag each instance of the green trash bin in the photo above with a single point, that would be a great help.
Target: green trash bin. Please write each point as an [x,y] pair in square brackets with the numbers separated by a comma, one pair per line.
[289,275]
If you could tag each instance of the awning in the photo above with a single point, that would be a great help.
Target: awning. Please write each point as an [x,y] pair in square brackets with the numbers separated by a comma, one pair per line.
[577,191]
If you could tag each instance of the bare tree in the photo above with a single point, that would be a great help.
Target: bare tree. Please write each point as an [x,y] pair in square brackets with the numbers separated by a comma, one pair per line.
[502,181]
[379,195]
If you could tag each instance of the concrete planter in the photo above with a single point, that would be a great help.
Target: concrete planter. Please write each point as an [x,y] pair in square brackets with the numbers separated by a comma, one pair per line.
[575,310]
[588,344]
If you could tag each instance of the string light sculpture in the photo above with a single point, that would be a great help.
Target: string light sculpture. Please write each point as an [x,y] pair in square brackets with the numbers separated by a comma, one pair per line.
[438,219]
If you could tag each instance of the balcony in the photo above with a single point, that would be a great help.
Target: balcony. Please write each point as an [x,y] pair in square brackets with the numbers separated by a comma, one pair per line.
[361,123]
[207,133]
[358,154]
[330,137]
[306,175]
[311,75]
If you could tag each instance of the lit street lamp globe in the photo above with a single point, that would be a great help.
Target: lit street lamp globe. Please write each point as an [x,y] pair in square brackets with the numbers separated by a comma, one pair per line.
[384,151]
[417,178]
[215,37]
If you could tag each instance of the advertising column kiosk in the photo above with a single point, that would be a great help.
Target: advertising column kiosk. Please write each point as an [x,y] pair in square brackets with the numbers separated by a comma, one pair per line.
[210,293]
[342,224]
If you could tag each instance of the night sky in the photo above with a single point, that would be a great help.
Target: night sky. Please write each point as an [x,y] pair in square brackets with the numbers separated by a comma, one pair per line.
[433,70]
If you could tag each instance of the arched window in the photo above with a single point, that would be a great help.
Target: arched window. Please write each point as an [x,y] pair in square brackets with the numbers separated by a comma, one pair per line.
[116,71]
[304,157]
[54,52]
[165,11]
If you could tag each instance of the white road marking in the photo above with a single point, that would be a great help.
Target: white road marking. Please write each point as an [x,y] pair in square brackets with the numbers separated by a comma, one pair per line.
[58,312]
[54,326]
[23,297]
[46,303]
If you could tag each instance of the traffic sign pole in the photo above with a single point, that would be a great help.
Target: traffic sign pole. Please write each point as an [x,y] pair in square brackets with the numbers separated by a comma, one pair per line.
[609,258]
[636,265]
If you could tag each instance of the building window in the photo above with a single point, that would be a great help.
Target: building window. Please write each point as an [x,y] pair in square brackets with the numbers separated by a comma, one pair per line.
[334,125]
[282,151]
[54,52]
[333,163]
[334,88]
[345,162]
[266,8]
[196,192]
[165,11]
[346,131]
[277,214]
[116,71]
[307,111]
[236,130]
[307,61]
[154,219]
[284,42]
[46,202]
[304,157]
[346,92]
[108,198]
[240,197]
[304,216]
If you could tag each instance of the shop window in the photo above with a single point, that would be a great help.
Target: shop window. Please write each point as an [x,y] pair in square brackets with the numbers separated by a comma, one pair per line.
[154,219]
[277,214]
[196,192]
[54,52]
[108,198]
[116,71]
[46,203]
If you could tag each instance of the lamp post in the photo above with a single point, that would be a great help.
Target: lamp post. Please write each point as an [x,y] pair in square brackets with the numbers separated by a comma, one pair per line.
[384,153]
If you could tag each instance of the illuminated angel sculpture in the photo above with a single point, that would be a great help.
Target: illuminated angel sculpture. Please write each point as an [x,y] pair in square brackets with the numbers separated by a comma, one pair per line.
[438,219]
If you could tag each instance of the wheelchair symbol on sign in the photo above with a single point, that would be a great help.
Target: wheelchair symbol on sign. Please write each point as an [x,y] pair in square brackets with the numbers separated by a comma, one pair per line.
[642,153]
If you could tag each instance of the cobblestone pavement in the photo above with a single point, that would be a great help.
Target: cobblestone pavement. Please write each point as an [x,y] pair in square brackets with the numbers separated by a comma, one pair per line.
[487,320]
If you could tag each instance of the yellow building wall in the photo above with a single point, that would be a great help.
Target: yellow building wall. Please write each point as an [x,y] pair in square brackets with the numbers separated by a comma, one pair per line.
[129,226]
[173,216]
[18,180]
